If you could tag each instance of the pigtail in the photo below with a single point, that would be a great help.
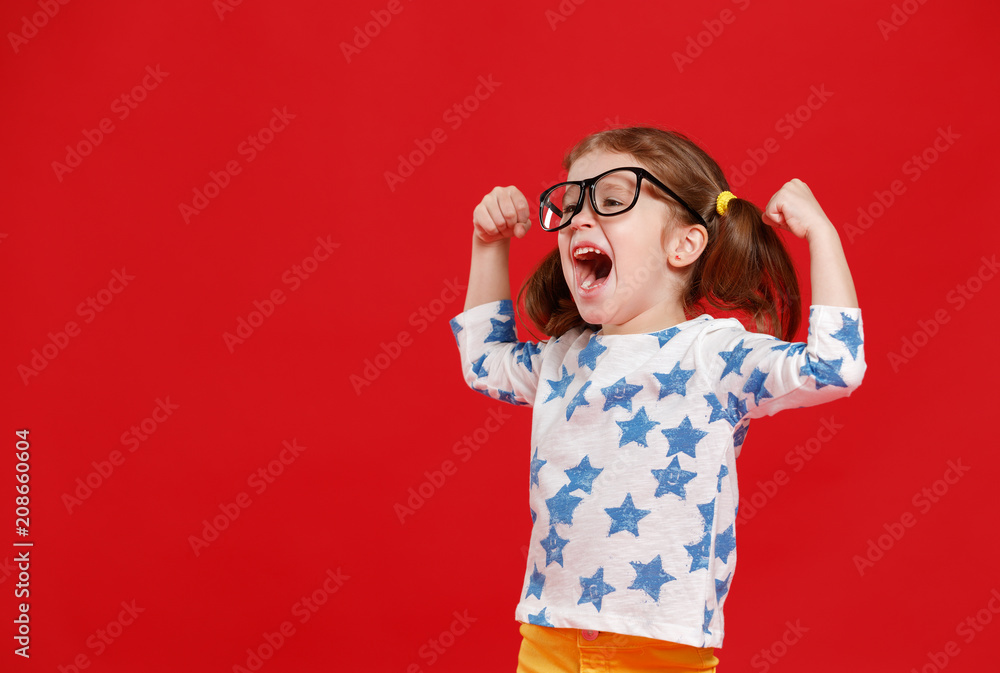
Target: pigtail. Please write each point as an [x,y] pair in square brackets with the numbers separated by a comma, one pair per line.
[747,269]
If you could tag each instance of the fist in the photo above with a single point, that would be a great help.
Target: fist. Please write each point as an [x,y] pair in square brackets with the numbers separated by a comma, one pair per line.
[795,209]
[501,214]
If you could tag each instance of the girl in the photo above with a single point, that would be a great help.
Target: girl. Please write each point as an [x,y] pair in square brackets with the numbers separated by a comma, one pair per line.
[640,402]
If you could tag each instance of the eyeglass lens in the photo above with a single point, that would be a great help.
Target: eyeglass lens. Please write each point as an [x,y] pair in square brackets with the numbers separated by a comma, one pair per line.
[613,193]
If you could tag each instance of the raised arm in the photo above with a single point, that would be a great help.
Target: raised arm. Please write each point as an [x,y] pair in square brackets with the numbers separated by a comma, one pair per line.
[501,214]
[795,209]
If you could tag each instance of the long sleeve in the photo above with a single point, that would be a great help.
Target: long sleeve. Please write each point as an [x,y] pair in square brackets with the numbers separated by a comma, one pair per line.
[494,362]
[755,375]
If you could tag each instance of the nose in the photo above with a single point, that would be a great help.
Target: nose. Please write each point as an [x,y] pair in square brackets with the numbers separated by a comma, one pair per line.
[585,217]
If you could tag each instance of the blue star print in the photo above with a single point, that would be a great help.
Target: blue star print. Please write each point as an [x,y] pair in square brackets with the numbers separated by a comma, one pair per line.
[502,330]
[755,385]
[626,517]
[708,619]
[478,367]
[684,438]
[553,546]
[649,577]
[540,619]
[736,410]
[561,506]
[536,583]
[723,471]
[510,397]
[588,356]
[455,329]
[536,465]
[826,372]
[559,387]
[594,589]
[722,588]
[579,400]
[619,394]
[699,552]
[635,429]
[725,543]
[849,334]
[740,434]
[666,335]
[734,359]
[675,381]
[533,515]
[672,479]
[524,351]
[708,513]
[582,476]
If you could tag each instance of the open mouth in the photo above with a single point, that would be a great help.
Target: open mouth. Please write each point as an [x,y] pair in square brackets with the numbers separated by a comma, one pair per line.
[592,267]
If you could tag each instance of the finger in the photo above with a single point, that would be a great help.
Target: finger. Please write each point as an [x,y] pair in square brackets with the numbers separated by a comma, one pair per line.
[509,209]
[483,220]
[522,206]
[496,215]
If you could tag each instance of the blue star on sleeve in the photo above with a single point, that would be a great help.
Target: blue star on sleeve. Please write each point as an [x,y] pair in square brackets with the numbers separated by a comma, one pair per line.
[594,589]
[582,476]
[674,382]
[672,479]
[708,619]
[849,334]
[588,356]
[722,588]
[734,359]
[620,394]
[579,400]
[533,515]
[635,429]
[540,619]
[684,438]
[456,327]
[736,409]
[478,368]
[561,506]
[510,397]
[536,583]
[501,330]
[553,546]
[626,517]
[725,543]
[559,387]
[723,471]
[825,372]
[755,385]
[524,351]
[536,465]
[650,577]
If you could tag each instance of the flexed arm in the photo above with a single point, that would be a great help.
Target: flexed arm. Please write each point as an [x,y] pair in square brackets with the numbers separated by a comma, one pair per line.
[795,209]
[501,214]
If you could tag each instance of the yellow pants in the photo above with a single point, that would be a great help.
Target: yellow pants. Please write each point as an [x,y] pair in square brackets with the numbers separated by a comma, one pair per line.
[546,650]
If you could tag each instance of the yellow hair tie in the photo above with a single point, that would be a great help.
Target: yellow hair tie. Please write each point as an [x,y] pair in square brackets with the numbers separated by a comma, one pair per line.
[722,202]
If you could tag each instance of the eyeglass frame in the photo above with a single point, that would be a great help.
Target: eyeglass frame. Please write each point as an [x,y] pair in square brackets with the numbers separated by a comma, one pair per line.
[587,186]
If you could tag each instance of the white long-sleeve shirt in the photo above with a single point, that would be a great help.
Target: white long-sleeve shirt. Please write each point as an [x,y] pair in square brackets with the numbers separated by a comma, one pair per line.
[633,489]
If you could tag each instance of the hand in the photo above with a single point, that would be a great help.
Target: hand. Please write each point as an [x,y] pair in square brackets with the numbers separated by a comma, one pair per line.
[795,209]
[502,213]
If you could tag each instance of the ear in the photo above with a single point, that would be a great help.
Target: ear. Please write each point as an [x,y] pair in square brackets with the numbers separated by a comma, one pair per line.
[685,244]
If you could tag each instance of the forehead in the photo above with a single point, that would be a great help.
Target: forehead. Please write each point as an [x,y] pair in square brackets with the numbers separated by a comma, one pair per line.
[596,162]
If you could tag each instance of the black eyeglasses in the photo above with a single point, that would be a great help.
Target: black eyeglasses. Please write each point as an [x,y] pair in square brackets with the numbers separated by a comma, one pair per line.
[611,193]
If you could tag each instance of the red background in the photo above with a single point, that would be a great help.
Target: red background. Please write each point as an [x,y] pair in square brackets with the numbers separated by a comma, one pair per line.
[400,245]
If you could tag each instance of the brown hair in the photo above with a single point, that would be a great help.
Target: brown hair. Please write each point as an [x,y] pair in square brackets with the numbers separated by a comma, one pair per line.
[744,268]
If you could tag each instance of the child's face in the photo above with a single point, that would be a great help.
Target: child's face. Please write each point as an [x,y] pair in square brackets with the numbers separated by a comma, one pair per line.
[629,285]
